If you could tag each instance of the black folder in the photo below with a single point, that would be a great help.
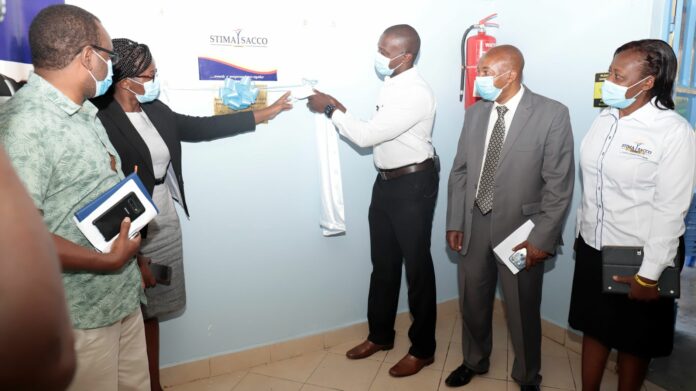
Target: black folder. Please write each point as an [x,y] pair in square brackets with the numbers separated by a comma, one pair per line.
[626,261]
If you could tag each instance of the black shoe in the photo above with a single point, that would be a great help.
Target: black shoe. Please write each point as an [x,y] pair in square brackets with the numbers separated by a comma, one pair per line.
[461,376]
[529,387]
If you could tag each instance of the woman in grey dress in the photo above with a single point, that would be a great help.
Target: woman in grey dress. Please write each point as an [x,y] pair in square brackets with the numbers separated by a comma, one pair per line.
[147,134]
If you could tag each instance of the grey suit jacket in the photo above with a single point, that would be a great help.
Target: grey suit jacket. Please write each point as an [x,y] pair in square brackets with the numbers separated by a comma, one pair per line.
[535,174]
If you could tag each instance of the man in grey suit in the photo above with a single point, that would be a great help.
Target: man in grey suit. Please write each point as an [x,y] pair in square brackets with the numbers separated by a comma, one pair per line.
[514,162]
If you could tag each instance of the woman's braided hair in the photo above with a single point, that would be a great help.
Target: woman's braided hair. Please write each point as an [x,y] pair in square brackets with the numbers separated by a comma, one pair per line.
[660,61]
[134,58]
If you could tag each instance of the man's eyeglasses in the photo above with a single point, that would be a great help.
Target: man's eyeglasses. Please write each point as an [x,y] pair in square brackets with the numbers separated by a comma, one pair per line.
[112,55]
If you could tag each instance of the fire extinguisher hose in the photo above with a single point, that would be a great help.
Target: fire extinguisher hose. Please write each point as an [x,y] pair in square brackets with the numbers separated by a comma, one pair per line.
[463,76]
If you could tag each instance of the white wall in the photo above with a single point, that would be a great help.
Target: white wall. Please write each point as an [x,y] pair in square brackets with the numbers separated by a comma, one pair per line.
[257,268]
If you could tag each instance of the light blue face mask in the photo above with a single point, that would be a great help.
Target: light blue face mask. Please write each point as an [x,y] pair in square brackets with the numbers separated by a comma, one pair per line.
[485,87]
[382,64]
[101,86]
[614,95]
[152,90]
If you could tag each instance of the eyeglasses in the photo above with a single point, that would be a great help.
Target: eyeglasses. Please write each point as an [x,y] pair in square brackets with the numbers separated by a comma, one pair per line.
[112,55]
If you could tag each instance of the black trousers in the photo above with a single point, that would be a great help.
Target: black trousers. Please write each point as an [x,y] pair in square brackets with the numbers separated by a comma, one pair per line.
[401,221]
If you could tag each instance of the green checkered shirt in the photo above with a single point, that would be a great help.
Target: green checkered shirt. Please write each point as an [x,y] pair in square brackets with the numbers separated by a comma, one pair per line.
[61,151]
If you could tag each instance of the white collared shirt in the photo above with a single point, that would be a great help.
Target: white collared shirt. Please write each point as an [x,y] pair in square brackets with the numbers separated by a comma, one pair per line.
[401,130]
[511,105]
[638,180]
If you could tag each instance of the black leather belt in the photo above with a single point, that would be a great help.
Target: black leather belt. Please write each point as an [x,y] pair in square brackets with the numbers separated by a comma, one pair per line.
[160,180]
[410,169]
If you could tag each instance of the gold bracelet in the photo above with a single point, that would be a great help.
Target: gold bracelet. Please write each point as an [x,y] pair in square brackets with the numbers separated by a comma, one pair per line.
[643,283]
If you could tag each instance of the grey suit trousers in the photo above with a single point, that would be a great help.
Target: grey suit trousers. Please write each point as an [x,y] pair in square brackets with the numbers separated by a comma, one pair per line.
[479,271]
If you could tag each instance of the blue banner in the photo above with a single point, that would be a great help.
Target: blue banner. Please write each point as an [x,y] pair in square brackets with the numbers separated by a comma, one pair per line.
[15,19]
[213,69]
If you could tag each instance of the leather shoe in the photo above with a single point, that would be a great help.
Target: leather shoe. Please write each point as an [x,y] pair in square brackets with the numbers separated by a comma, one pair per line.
[461,376]
[529,388]
[410,365]
[366,349]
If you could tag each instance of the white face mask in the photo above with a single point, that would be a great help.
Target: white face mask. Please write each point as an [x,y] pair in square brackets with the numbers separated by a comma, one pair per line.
[152,90]
[614,95]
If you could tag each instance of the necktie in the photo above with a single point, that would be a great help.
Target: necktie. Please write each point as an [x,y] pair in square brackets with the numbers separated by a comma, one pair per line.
[484,198]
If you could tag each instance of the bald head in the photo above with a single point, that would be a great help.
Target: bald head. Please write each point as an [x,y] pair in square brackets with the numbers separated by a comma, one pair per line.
[404,36]
[505,58]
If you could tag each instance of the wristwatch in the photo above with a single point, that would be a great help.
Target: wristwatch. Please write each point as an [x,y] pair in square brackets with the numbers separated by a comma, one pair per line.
[329,109]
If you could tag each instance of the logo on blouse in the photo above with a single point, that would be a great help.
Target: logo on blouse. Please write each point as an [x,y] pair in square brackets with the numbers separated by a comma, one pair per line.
[637,149]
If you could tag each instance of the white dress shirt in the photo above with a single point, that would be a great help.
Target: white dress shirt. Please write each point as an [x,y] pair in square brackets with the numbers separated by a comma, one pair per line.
[400,132]
[511,105]
[638,179]
[159,152]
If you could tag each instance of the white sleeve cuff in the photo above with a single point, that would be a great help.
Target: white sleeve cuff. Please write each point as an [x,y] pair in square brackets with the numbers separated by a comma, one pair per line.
[337,117]
[651,270]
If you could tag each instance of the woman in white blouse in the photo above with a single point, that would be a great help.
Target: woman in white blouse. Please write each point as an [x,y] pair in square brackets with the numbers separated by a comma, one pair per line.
[637,166]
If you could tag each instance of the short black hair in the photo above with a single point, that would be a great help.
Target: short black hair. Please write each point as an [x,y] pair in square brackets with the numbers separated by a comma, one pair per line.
[409,38]
[58,33]
[660,62]
[134,58]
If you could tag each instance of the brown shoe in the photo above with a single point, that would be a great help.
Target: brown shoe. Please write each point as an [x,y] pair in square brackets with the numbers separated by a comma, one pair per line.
[366,349]
[410,365]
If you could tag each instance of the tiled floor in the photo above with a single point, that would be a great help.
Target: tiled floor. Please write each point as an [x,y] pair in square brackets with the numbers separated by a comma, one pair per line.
[330,370]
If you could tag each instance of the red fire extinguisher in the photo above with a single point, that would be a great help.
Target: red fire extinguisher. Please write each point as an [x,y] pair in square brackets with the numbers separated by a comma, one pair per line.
[472,50]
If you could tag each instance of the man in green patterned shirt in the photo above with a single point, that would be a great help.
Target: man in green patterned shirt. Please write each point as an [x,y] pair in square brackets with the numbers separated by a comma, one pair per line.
[62,153]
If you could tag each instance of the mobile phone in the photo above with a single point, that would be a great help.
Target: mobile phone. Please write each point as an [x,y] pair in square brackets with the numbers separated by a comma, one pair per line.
[162,273]
[519,258]
[109,223]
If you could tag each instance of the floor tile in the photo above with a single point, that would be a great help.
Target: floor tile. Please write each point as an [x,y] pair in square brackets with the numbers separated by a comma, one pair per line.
[573,355]
[185,373]
[310,387]
[402,323]
[576,369]
[610,381]
[457,330]
[254,382]
[454,357]
[444,327]
[426,379]
[345,334]
[296,369]
[552,348]
[337,371]
[499,365]
[556,373]
[500,336]
[478,383]
[653,387]
[216,383]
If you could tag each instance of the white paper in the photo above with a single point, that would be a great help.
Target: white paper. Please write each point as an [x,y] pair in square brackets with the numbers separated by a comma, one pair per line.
[504,249]
[302,92]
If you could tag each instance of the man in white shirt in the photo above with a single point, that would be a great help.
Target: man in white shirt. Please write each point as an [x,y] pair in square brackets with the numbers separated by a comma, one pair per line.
[403,197]
[514,163]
